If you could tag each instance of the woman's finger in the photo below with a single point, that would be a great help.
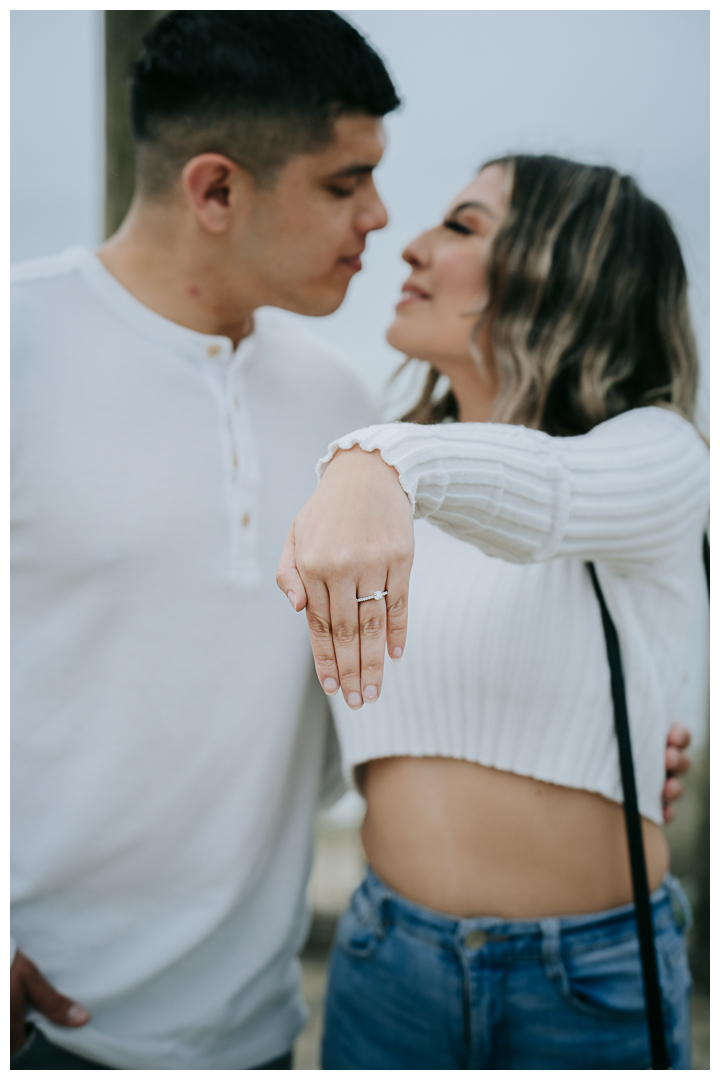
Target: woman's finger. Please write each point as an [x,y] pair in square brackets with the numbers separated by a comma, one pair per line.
[287,577]
[398,584]
[346,636]
[372,619]
[321,639]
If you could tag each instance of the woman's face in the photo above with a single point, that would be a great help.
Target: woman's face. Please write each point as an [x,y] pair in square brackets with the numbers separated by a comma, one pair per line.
[446,290]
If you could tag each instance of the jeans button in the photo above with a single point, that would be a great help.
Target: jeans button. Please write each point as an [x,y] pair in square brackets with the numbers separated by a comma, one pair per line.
[475,939]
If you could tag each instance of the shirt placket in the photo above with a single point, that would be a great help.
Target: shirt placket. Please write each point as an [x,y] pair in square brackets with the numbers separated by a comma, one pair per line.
[241,462]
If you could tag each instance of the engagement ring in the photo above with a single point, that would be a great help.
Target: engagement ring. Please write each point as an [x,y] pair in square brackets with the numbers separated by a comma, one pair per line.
[373,596]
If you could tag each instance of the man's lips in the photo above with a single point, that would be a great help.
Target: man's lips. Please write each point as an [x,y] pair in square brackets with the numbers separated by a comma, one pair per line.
[354,262]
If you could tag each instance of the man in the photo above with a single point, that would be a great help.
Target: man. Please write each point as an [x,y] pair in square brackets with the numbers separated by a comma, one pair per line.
[166,432]
[167,748]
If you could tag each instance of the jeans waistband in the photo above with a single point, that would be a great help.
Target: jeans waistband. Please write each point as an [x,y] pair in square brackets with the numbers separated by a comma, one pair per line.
[669,906]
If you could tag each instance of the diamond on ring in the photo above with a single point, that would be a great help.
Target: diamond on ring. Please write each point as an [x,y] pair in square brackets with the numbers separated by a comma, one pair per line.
[377,595]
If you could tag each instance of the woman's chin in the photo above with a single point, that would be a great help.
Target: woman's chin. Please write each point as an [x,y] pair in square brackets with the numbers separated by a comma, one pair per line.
[398,339]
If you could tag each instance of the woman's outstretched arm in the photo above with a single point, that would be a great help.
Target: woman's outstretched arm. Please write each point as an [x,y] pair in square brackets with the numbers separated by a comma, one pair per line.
[625,495]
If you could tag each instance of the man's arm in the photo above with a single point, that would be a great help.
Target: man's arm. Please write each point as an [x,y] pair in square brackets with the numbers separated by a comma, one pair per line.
[28,987]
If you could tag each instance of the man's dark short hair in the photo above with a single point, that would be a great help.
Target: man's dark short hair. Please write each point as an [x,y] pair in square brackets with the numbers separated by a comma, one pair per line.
[256,86]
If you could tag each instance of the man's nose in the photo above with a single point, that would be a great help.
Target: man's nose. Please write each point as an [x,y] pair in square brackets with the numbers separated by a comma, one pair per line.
[373,216]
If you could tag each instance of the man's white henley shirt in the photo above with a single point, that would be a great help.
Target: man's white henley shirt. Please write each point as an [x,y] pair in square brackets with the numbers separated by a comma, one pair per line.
[166,766]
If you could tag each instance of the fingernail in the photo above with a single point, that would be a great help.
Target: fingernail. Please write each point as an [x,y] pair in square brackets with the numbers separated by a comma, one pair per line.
[370,693]
[77,1015]
[330,686]
[354,700]
[291,598]
[396,654]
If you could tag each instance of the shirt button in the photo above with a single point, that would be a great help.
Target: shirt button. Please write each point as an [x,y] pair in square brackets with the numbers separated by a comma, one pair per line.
[213,350]
[475,939]
[245,520]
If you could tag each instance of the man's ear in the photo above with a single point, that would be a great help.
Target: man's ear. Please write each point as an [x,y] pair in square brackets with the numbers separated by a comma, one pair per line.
[216,190]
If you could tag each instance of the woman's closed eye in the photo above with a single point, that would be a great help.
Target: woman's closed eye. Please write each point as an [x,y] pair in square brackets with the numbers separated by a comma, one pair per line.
[455,226]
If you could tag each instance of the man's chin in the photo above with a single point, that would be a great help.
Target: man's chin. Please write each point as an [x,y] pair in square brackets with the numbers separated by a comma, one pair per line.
[316,305]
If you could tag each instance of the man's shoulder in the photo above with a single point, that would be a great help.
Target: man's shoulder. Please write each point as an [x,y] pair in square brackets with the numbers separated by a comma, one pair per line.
[47,290]
[45,269]
[49,300]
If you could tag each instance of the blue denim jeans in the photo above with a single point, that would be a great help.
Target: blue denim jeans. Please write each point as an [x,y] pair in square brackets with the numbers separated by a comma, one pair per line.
[410,988]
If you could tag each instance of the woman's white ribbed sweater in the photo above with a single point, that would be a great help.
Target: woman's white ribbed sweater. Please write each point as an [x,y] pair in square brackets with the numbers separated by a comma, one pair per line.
[505,661]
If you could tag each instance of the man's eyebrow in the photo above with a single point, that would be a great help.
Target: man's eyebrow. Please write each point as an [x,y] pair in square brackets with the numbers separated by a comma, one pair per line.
[352,170]
[473,206]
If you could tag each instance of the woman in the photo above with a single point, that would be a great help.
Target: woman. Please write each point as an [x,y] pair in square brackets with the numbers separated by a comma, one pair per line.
[495,927]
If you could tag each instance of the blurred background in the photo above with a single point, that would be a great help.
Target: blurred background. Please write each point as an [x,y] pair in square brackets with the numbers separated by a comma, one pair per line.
[625,88]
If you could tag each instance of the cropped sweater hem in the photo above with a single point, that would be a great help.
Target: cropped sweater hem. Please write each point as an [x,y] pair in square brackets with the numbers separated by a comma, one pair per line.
[505,662]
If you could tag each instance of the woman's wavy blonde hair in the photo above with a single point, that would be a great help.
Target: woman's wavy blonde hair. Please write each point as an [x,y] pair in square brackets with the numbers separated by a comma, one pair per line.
[587,306]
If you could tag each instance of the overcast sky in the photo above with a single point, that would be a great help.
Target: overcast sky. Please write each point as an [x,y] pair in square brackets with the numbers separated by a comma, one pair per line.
[627,88]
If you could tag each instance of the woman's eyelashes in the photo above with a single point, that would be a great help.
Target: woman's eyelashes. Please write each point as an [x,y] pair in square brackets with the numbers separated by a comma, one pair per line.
[455,226]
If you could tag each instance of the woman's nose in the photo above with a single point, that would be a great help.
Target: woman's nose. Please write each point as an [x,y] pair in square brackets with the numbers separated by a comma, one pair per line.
[418,252]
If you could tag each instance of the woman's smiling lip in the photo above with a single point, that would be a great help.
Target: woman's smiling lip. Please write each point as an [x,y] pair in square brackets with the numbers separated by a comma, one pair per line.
[411,294]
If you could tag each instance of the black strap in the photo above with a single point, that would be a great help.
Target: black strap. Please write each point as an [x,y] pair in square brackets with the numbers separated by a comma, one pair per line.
[638,869]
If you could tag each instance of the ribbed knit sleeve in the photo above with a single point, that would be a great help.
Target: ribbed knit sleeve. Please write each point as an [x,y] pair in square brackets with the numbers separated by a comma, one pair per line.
[622,494]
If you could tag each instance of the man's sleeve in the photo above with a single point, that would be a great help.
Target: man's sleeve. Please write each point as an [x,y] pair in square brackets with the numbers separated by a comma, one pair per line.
[316,710]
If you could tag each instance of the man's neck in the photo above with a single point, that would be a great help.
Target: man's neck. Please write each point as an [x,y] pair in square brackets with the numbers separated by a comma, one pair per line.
[159,256]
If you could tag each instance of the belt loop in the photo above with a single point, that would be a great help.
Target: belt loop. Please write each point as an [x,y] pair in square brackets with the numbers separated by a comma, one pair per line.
[378,902]
[679,902]
[550,929]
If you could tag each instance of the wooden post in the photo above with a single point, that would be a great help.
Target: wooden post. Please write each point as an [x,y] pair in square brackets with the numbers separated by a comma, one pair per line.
[700,940]
[123,35]
[688,837]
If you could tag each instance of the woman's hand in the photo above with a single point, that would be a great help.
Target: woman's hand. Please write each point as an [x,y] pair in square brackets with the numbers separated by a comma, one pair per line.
[352,538]
[677,762]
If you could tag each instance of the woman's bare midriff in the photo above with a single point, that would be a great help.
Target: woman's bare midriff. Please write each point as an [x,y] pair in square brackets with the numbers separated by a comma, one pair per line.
[469,840]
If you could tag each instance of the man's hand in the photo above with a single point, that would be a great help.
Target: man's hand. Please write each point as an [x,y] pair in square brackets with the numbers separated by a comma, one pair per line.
[352,538]
[677,762]
[28,987]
